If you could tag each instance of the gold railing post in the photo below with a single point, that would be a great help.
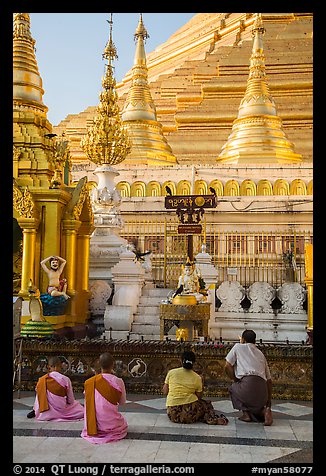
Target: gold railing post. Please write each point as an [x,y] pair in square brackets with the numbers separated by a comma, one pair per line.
[309,284]
[165,251]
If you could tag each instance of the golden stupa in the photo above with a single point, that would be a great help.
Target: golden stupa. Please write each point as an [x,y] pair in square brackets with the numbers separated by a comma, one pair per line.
[149,146]
[257,135]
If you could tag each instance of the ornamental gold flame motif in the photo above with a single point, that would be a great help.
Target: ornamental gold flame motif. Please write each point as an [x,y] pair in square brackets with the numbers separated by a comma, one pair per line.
[107,141]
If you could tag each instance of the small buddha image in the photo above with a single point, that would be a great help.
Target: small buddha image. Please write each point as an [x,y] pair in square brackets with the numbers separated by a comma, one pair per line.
[181,334]
[188,283]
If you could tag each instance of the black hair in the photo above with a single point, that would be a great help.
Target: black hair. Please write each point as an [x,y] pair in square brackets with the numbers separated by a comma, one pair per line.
[188,359]
[106,361]
[54,361]
[249,336]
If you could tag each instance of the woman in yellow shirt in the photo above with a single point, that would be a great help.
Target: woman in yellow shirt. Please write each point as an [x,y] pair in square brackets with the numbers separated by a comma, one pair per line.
[184,388]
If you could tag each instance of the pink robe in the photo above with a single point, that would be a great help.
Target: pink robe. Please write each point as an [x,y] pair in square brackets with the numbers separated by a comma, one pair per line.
[111,424]
[60,408]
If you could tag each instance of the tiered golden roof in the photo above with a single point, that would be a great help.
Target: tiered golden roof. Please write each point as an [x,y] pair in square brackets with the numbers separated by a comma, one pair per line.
[149,146]
[33,143]
[257,135]
[27,83]
[106,141]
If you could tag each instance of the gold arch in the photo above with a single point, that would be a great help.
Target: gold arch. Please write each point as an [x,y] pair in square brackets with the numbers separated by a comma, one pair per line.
[248,187]
[200,187]
[218,187]
[231,188]
[138,189]
[298,187]
[124,188]
[183,188]
[281,187]
[310,189]
[172,186]
[264,187]
[153,189]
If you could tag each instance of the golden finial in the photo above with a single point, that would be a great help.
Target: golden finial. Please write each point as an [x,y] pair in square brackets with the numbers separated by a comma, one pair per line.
[110,51]
[141,31]
[22,27]
[106,141]
[258,24]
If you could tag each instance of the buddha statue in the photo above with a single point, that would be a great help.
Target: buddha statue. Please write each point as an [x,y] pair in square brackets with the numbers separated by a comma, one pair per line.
[188,284]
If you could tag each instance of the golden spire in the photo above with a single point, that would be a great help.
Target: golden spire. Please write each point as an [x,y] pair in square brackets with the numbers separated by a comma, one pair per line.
[139,104]
[27,83]
[257,135]
[149,146]
[106,141]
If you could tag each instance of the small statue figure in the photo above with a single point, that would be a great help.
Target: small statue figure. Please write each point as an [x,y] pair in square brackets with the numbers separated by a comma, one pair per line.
[181,333]
[189,282]
[56,286]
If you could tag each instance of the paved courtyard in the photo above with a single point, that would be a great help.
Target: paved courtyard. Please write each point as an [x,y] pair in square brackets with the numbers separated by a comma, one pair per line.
[152,438]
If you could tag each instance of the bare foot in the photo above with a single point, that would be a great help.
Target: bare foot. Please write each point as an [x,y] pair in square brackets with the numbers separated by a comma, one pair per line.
[245,417]
[268,417]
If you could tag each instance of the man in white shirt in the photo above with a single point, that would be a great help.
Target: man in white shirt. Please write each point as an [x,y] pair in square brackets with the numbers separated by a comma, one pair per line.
[251,390]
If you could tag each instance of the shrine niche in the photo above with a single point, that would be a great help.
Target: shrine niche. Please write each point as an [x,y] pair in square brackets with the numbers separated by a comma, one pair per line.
[231,188]
[217,186]
[138,189]
[153,189]
[264,187]
[248,188]
[183,188]
[124,189]
[298,187]
[281,187]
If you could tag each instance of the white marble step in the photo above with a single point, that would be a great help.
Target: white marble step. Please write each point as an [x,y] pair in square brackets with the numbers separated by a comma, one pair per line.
[145,329]
[157,292]
[150,308]
[147,319]
[150,301]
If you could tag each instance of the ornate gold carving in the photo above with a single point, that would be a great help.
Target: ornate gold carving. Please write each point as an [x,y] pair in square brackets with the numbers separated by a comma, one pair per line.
[23,201]
[16,153]
[290,365]
[107,141]
[22,27]
[79,195]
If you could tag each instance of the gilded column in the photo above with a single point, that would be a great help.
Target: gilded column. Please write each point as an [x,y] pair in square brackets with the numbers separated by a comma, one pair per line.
[83,245]
[29,227]
[70,228]
[309,284]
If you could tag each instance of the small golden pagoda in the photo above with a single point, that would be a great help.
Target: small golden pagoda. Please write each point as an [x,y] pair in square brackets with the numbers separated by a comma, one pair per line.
[257,135]
[149,146]
[53,217]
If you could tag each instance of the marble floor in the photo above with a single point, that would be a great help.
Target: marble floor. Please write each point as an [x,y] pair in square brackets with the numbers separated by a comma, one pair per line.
[152,438]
